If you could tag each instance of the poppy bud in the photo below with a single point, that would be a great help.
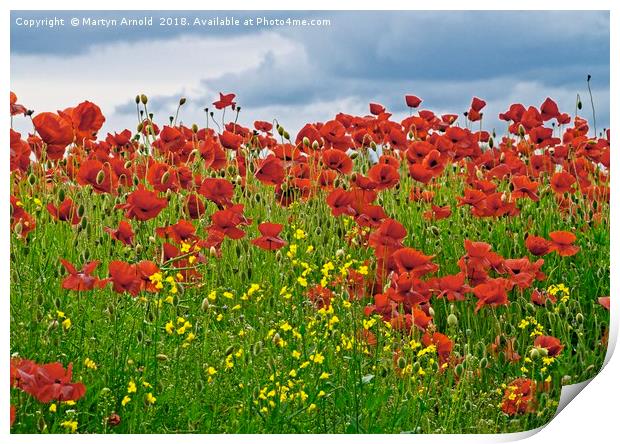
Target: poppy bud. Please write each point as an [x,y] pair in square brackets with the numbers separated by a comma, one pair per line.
[257,348]
[161,357]
[41,425]
[453,321]
[411,134]
[194,128]
[139,336]
[579,104]
[165,177]
[373,145]
[354,155]
[84,223]
[213,251]
[276,338]
[32,179]
[458,370]
[521,130]
[286,135]
[315,145]
[483,362]
[280,130]
[566,379]
[182,101]
[579,318]
[139,248]
[18,228]
[306,141]
[401,362]
[278,255]
[534,354]
[100,177]
[144,99]
[416,367]
[431,312]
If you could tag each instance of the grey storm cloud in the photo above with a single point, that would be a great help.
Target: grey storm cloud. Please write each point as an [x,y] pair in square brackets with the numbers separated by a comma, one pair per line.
[445,57]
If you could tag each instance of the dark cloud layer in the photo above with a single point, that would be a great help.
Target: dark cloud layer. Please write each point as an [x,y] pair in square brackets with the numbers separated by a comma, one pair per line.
[446,57]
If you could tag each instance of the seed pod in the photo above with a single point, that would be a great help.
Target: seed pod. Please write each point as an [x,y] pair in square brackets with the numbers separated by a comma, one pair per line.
[205,304]
[257,348]
[452,320]
[165,177]
[100,177]
[458,370]
[483,363]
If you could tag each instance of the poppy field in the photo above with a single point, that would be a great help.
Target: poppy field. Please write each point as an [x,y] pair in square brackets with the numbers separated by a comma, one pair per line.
[365,275]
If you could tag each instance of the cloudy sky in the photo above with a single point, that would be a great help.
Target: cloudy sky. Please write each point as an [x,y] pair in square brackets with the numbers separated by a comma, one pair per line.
[308,74]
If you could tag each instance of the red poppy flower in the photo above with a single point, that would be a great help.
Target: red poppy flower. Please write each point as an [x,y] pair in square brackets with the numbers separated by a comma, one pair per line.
[538,246]
[124,277]
[231,140]
[123,233]
[225,101]
[493,292]
[562,182]
[219,191]
[524,187]
[552,344]
[86,119]
[442,343]
[55,131]
[16,108]
[270,237]
[387,238]
[270,171]
[20,152]
[540,297]
[410,260]
[182,231]
[549,110]
[337,160]
[604,301]
[452,287]
[519,397]
[437,212]
[562,242]
[21,221]
[263,126]
[98,175]
[376,109]
[66,211]
[412,101]
[51,382]
[384,175]
[82,280]
[341,202]
[226,222]
[320,296]
[143,204]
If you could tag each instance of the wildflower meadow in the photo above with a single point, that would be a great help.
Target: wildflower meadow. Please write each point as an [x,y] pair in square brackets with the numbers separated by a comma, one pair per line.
[365,274]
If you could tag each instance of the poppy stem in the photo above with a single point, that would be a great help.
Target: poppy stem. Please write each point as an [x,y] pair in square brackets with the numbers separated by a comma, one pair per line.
[592,103]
